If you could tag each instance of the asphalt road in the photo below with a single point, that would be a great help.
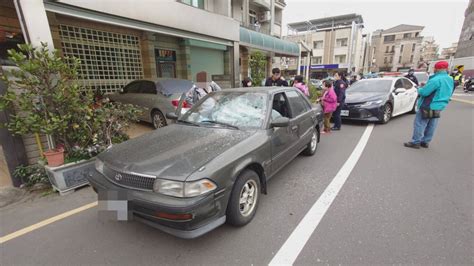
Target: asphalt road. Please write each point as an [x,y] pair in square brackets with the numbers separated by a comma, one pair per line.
[398,205]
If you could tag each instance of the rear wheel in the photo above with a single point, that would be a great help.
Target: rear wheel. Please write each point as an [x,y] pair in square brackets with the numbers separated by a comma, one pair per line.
[243,202]
[387,113]
[158,119]
[312,145]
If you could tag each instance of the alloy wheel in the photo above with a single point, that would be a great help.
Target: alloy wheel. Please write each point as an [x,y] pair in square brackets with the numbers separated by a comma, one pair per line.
[387,113]
[314,141]
[158,120]
[248,198]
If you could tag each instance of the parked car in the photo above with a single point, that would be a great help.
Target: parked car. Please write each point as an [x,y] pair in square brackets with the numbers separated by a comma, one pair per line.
[317,82]
[155,98]
[379,99]
[212,165]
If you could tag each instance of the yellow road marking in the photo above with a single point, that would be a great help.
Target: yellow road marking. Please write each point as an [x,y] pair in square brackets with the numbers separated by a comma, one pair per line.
[462,101]
[56,218]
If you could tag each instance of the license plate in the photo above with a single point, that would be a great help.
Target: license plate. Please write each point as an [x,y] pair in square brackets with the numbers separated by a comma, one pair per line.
[344,112]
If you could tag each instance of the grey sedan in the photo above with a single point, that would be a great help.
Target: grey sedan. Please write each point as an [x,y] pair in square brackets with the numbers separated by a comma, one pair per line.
[154,98]
[212,165]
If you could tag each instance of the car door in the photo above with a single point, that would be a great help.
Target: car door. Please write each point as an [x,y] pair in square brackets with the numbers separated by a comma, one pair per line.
[399,99]
[303,122]
[283,139]
[411,94]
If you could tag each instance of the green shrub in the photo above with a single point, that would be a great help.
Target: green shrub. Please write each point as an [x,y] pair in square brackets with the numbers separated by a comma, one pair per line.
[258,62]
[31,174]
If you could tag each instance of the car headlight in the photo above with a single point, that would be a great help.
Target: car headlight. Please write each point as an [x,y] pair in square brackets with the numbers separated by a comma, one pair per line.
[371,103]
[183,189]
[99,165]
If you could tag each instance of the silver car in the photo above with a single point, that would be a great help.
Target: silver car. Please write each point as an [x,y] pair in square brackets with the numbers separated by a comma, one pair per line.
[155,98]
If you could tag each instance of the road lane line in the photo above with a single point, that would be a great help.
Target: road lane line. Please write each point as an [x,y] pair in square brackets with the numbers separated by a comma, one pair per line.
[298,238]
[56,218]
[462,101]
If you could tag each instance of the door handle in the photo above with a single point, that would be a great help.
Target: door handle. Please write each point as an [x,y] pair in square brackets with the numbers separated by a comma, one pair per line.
[294,128]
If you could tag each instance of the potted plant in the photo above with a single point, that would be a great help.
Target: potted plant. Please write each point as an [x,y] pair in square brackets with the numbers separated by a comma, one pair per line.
[48,100]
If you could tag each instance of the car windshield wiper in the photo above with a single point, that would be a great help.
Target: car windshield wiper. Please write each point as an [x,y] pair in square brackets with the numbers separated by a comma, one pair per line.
[188,122]
[219,123]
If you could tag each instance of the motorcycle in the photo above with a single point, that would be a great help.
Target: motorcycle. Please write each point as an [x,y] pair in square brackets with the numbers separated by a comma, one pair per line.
[469,85]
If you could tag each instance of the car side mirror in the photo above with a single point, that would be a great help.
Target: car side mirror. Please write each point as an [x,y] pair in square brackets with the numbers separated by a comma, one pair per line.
[400,90]
[172,116]
[280,122]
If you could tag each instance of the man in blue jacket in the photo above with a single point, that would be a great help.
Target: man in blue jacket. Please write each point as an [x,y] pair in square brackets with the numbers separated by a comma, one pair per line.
[434,97]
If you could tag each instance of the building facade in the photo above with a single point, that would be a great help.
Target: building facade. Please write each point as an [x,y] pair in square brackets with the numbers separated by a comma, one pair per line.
[397,48]
[465,51]
[121,41]
[449,52]
[335,43]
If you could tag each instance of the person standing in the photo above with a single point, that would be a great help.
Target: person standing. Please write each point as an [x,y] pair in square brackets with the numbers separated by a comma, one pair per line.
[457,77]
[340,90]
[276,79]
[411,76]
[434,97]
[329,103]
[247,82]
[299,84]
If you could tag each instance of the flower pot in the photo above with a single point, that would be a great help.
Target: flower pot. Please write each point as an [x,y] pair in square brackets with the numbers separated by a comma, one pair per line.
[54,157]
[68,177]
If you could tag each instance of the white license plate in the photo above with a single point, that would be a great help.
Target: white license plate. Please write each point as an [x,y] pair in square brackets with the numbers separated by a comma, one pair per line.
[344,112]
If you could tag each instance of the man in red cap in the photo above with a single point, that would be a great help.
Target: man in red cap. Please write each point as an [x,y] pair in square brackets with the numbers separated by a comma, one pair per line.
[434,97]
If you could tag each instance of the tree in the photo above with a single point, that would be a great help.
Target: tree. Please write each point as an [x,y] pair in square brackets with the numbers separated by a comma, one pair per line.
[258,62]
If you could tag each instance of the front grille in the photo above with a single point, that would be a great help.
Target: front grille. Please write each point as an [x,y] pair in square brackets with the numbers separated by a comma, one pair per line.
[129,180]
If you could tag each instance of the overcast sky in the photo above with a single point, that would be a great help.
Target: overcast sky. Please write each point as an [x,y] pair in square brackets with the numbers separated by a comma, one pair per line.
[442,19]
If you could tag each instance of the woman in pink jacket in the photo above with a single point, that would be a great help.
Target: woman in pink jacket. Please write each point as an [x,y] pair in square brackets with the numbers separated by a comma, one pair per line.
[301,86]
[329,103]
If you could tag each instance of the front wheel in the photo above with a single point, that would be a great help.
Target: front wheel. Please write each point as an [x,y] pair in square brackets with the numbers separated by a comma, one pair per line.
[387,113]
[244,199]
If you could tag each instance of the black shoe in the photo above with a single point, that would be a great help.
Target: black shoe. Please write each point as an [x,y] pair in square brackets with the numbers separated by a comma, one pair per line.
[412,145]
[335,128]
[425,145]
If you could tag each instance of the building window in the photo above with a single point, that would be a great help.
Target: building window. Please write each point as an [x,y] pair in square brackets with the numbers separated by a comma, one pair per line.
[413,47]
[401,48]
[386,50]
[342,42]
[9,40]
[317,60]
[391,59]
[108,60]
[194,3]
[340,59]
[389,38]
[385,60]
[252,17]
[399,59]
[318,45]
[406,35]
[411,59]
[417,34]
[393,48]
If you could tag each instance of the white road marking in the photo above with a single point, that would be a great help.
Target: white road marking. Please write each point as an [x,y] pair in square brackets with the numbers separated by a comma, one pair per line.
[56,218]
[298,238]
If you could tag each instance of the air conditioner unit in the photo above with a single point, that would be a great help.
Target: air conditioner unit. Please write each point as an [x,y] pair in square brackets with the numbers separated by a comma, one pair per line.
[264,16]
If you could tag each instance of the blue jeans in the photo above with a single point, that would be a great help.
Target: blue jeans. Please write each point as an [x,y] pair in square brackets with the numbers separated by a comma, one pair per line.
[424,129]
[336,116]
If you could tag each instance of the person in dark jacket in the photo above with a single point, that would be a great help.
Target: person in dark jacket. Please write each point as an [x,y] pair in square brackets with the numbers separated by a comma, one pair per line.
[411,76]
[247,82]
[276,79]
[340,87]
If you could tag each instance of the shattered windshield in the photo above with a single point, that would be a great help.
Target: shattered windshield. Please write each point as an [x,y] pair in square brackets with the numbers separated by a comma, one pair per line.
[230,109]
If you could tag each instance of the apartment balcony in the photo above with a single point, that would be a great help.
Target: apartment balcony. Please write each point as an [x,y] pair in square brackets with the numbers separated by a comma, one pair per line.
[276,31]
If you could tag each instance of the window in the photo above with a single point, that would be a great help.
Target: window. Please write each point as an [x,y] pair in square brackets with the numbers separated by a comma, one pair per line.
[399,84]
[297,103]
[389,38]
[9,40]
[252,17]
[385,60]
[417,34]
[399,59]
[341,42]
[133,87]
[411,59]
[391,59]
[393,48]
[109,60]
[413,47]
[317,60]
[406,35]
[194,3]
[407,84]
[318,45]
[339,59]
[280,106]
[386,50]
[401,48]
[148,87]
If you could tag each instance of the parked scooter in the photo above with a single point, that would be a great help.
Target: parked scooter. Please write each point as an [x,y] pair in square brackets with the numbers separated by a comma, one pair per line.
[469,84]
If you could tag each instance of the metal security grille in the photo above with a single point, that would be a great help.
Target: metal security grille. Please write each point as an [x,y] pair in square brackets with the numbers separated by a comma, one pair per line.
[108,60]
